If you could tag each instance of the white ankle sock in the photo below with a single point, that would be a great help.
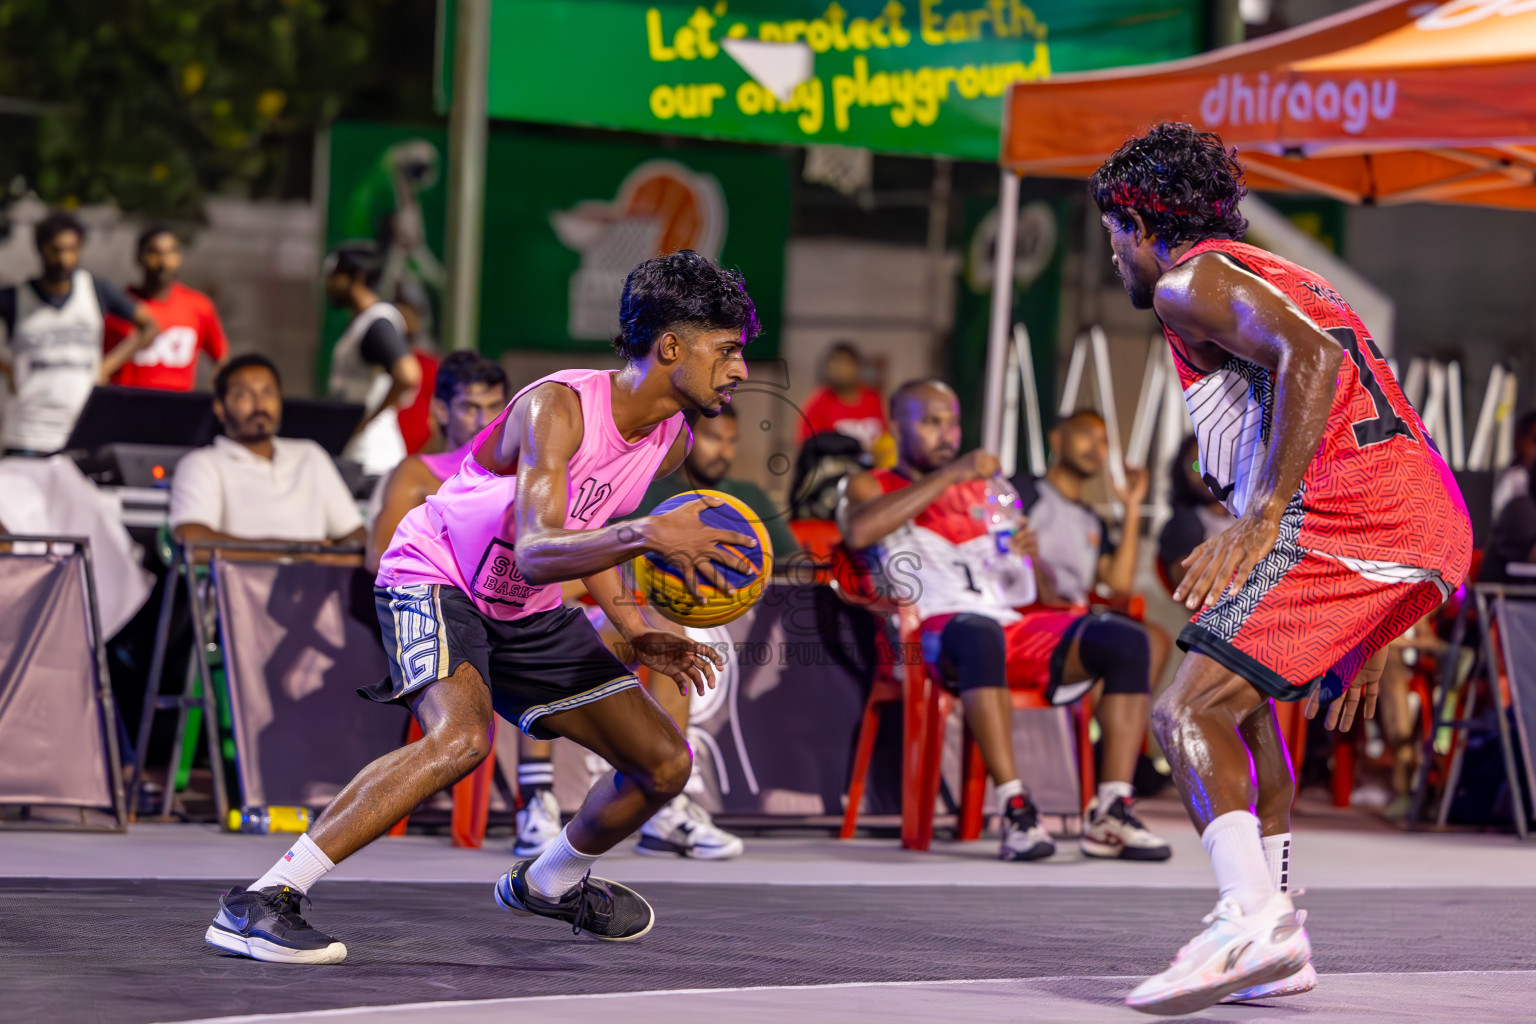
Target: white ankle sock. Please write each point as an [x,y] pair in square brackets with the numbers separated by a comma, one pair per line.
[299,868]
[1109,792]
[1277,854]
[1008,790]
[1237,856]
[559,868]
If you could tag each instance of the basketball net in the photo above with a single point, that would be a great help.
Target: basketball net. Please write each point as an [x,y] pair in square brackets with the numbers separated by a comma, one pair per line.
[845,168]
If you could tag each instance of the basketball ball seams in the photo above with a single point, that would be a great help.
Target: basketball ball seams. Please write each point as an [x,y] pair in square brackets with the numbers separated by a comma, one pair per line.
[660,577]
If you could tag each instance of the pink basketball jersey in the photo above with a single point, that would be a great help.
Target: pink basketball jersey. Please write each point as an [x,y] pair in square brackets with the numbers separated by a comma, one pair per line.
[463,536]
[444,464]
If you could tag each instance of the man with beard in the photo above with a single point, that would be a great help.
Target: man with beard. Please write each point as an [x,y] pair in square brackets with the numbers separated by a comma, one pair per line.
[1349,529]
[924,519]
[252,485]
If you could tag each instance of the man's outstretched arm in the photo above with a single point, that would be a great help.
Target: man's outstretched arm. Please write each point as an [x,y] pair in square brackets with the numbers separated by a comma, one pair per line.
[1211,301]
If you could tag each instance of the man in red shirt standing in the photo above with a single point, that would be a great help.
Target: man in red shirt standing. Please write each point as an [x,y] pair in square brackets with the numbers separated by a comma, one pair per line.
[188,322]
[844,403]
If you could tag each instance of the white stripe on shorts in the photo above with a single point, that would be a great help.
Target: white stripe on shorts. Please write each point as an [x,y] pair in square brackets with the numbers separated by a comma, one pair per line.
[1391,572]
[597,693]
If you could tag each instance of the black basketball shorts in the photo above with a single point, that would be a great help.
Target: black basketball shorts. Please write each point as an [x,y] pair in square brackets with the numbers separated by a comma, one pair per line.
[535,666]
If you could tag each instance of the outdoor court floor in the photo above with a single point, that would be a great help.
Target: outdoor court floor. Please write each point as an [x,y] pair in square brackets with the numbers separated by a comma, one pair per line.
[1405,928]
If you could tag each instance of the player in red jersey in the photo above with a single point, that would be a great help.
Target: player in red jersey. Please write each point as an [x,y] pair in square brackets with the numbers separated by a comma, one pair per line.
[188,322]
[1349,528]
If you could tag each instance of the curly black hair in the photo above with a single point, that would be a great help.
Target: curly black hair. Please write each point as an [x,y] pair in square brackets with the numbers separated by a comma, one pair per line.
[1185,184]
[681,289]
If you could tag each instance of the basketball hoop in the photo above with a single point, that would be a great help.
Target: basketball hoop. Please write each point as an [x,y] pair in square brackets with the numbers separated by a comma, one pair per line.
[847,169]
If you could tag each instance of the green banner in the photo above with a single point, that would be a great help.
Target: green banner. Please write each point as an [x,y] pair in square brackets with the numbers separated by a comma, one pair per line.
[920,76]
[566,218]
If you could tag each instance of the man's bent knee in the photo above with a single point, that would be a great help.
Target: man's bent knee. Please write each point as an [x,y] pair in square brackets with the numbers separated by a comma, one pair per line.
[973,652]
[1117,650]
[671,772]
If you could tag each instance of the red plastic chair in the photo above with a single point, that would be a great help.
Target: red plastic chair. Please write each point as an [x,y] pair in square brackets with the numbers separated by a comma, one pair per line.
[471,798]
[927,706]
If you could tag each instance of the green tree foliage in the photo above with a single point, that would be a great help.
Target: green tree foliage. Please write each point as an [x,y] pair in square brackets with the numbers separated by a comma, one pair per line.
[155,104]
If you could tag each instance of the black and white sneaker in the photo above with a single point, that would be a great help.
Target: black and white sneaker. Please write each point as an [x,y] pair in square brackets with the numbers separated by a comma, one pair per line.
[266,925]
[604,910]
[1024,838]
[684,829]
[1116,832]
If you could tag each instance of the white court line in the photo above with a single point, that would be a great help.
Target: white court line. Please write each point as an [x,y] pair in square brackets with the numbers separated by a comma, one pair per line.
[448,1004]
[816,883]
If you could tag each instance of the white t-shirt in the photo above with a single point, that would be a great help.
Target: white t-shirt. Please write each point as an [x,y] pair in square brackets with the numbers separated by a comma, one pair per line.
[296,495]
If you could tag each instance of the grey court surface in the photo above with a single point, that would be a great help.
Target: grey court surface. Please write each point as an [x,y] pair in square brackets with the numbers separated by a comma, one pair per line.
[801,930]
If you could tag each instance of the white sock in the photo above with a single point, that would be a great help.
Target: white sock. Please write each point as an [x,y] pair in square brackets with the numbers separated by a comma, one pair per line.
[298,869]
[1237,856]
[1008,790]
[1277,853]
[1109,792]
[559,868]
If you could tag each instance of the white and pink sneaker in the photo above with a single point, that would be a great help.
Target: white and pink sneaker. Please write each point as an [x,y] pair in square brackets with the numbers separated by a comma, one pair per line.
[1236,952]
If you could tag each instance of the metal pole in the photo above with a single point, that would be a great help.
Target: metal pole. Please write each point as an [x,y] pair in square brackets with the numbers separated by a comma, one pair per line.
[467,124]
[1002,308]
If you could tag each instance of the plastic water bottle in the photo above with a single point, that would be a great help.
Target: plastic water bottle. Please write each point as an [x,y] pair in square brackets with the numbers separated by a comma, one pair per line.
[1013,574]
[262,820]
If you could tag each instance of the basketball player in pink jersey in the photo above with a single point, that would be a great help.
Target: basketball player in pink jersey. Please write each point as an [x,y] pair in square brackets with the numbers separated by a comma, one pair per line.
[468,594]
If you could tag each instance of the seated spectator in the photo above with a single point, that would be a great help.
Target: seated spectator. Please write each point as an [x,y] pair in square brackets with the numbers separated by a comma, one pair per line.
[188,322]
[54,326]
[846,404]
[372,363]
[1077,552]
[1514,480]
[923,515]
[468,392]
[1196,514]
[253,485]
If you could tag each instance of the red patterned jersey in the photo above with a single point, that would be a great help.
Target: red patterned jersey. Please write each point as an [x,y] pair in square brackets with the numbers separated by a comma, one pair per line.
[1377,489]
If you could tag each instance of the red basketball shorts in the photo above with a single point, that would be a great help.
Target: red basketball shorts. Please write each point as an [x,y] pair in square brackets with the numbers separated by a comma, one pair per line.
[1302,615]
[1035,647]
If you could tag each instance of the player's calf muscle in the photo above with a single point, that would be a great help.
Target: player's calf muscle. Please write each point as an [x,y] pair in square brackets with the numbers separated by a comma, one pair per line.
[455,716]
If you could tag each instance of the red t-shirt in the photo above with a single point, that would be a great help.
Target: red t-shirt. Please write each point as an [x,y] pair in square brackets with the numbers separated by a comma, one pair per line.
[863,418]
[416,418]
[188,324]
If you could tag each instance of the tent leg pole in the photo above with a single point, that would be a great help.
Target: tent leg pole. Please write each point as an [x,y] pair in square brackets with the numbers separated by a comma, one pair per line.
[467,132]
[1002,308]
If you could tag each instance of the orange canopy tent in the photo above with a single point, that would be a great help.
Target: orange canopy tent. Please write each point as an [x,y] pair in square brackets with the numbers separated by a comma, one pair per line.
[1392,102]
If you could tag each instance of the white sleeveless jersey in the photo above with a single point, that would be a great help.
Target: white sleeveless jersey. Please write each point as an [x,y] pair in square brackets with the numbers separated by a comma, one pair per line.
[380,446]
[939,561]
[55,357]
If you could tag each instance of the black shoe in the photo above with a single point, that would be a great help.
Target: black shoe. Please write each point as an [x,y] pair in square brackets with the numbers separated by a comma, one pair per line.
[1024,838]
[266,926]
[603,909]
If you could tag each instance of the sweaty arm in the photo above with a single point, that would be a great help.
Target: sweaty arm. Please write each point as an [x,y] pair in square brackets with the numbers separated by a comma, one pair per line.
[540,437]
[1215,305]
